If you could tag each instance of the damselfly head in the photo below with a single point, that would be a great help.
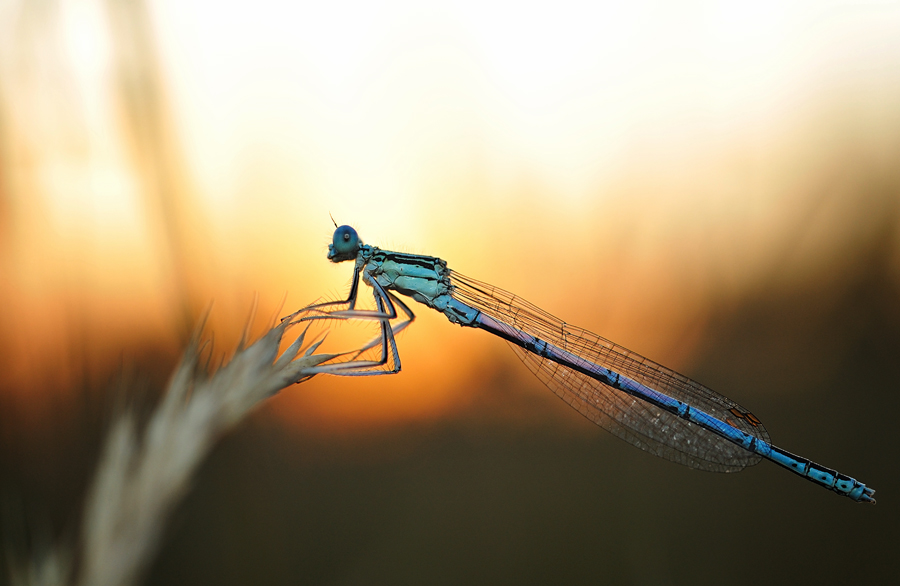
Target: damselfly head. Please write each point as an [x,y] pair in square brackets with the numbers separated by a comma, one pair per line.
[344,246]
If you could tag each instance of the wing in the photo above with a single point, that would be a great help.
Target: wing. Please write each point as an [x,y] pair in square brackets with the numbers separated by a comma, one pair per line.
[641,424]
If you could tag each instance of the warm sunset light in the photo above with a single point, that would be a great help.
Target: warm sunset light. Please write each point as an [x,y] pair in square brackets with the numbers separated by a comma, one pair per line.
[159,158]
[713,185]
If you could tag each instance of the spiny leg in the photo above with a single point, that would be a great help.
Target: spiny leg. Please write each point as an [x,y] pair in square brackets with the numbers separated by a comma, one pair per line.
[389,363]
[350,312]
[410,317]
[350,302]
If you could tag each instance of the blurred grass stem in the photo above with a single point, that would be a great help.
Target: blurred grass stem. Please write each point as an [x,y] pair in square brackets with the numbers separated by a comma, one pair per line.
[143,473]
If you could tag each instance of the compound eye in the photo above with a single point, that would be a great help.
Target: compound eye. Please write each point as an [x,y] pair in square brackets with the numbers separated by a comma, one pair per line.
[345,244]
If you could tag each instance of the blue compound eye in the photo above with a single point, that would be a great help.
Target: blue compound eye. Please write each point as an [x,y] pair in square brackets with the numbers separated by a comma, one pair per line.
[345,244]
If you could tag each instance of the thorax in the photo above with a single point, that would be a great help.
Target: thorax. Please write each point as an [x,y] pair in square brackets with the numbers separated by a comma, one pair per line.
[424,278]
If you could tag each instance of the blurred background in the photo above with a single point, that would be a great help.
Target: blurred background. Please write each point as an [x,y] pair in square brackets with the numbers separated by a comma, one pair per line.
[713,185]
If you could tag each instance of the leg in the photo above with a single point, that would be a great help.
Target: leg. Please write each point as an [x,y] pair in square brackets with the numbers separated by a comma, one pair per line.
[349,310]
[410,316]
[389,363]
[350,302]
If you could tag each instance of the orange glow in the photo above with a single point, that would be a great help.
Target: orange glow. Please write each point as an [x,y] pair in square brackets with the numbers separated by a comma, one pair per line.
[628,168]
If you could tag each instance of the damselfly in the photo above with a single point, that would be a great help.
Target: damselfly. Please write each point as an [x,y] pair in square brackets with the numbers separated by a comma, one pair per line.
[644,403]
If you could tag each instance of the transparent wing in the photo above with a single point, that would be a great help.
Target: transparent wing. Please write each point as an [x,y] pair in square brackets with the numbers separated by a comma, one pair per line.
[639,423]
